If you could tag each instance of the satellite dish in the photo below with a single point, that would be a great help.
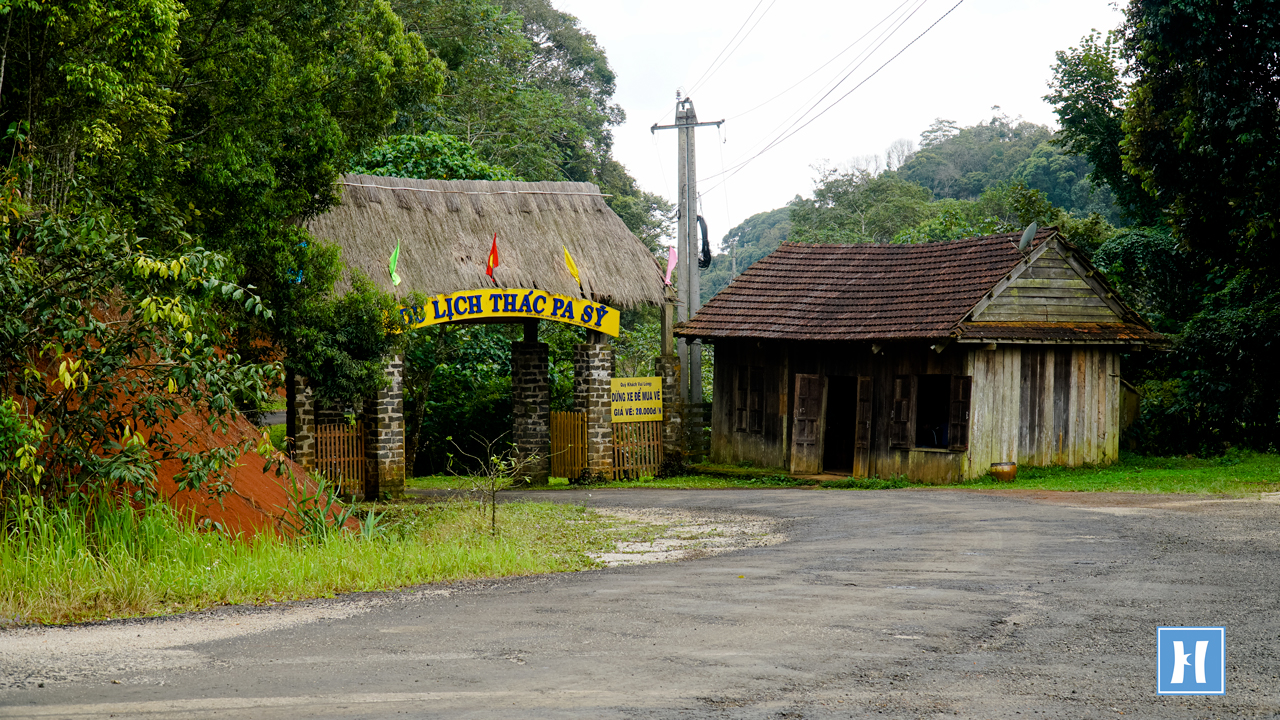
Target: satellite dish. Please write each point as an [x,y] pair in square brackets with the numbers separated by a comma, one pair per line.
[1027,235]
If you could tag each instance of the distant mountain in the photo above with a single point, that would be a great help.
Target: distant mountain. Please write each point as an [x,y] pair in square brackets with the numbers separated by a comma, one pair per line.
[756,237]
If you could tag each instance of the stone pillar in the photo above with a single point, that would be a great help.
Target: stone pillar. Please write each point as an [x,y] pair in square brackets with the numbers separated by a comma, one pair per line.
[592,371]
[300,422]
[667,367]
[531,407]
[383,418]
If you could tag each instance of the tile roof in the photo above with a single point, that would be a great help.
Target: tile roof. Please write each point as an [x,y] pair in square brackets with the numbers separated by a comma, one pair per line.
[1119,333]
[859,292]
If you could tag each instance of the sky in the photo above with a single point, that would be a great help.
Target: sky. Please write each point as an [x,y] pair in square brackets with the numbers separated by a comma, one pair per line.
[982,54]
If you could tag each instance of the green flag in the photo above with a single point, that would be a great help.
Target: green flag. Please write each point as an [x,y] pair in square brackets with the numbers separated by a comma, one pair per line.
[391,266]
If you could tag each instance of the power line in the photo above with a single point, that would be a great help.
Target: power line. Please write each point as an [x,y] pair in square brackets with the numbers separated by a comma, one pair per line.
[713,67]
[726,45]
[738,168]
[848,70]
[835,57]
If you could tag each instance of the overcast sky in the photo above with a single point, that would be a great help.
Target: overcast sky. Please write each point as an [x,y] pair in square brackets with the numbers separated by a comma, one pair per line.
[985,53]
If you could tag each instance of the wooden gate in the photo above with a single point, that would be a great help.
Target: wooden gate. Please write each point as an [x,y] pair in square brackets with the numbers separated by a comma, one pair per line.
[340,456]
[568,443]
[637,449]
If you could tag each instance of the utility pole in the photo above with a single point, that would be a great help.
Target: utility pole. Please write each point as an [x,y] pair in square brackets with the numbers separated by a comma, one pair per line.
[689,276]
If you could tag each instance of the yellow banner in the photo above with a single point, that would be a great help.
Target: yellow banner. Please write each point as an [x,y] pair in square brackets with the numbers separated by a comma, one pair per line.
[636,399]
[513,304]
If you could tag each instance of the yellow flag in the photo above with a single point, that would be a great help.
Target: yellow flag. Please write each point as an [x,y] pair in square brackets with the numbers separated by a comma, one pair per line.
[573,267]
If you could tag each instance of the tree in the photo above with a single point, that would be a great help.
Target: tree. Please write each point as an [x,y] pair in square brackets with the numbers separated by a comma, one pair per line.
[1088,97]
[756,237]
[430,156]
[1202,122]
[857,206]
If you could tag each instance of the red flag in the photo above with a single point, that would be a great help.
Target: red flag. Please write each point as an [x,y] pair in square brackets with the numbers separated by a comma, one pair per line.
[493,259]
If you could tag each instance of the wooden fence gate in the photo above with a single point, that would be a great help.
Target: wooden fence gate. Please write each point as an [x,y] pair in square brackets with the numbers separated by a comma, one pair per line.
[637,449]
[340,456]
[568,443]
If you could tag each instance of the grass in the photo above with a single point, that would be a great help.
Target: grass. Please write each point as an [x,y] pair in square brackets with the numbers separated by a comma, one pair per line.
[277,433]
[60,565]
[1237,473]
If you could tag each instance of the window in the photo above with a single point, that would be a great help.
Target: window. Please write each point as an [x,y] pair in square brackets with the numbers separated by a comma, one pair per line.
[748,399]
[933,411]
[930,411]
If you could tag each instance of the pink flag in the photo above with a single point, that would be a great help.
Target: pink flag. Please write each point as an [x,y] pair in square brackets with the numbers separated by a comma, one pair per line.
[671,262]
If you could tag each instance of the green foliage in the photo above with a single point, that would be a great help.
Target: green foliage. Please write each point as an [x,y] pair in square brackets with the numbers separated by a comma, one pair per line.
[1189,145]
[856,206]
[104,344]
[341,344]
[1202,123]
[429,156]
[94,560]
[457,383]
[20,439]
[756,237]
[1087,93]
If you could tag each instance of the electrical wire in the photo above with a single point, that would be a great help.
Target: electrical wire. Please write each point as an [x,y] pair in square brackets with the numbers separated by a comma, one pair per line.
[738,168]
[713,68]
[835,57]
[848,70]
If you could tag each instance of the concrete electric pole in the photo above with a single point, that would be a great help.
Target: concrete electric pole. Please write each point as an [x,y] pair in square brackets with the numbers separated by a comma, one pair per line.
[689,275]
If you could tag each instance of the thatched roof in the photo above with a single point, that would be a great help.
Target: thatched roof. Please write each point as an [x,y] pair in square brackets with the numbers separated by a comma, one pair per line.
[446,227]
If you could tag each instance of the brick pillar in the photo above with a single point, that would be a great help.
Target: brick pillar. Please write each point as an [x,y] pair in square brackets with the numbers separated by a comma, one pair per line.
[592,371]
[667,367]
[300,422]
[531,407]
[383,418]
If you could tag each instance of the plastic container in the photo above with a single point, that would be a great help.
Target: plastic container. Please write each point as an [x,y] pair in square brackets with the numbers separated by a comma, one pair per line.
[1004,472]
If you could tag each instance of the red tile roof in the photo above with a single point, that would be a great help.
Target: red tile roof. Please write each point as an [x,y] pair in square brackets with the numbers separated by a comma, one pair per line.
[861,291]
[858,292]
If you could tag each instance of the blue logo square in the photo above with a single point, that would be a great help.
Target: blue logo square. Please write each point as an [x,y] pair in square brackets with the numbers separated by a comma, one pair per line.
[1191,661]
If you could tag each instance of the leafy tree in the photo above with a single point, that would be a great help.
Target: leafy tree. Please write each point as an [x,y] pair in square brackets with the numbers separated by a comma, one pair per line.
[756,237]
[430,156]
[1087,93]
[104,345]
[962,163]
[1202,123]
[857,206]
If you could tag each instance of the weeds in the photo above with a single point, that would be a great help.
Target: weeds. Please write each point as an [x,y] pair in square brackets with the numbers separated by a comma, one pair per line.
[96,559]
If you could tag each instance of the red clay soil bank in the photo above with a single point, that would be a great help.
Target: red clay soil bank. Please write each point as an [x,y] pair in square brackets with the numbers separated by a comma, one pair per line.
[258,500]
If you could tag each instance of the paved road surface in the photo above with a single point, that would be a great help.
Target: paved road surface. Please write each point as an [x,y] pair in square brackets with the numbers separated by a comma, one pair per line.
[881,604]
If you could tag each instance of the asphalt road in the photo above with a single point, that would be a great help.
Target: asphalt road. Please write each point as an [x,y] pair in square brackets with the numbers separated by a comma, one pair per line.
[885,604]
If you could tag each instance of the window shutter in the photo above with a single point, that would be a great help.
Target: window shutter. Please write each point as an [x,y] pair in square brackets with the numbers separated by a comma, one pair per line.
[961,392]
[862,417]
[806,416]
[900,417]
[740,398]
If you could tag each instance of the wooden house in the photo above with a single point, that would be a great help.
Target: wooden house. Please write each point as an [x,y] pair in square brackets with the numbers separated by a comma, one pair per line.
[928,360]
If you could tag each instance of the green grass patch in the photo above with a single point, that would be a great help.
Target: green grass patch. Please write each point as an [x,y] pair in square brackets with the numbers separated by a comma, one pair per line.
[1237,473]
[60,565]
[277,436]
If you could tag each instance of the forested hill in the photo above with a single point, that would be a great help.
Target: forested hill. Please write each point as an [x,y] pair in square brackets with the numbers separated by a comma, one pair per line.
[994,176]
[962,163]
[756,237]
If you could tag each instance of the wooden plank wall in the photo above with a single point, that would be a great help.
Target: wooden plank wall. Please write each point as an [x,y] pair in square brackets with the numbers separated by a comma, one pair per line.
[1034,405]
[769,448]
[1048,291]
[1037,405]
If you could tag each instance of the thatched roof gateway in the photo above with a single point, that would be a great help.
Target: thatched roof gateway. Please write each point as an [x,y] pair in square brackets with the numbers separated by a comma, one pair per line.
[445,228]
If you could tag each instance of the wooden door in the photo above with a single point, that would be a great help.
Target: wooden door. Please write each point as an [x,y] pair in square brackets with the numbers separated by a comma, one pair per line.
[862,429]
[807,425]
